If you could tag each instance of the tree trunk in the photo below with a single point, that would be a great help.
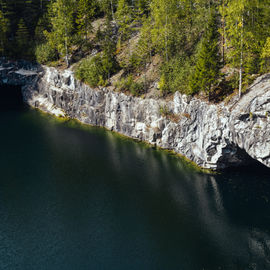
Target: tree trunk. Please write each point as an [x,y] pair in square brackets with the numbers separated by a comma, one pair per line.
[223,34]
[241,60]
[166,39]
[112,11]
[66,48]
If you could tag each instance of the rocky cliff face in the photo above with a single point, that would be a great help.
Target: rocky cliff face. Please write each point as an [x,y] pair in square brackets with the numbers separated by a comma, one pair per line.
[213,136]
[17,73]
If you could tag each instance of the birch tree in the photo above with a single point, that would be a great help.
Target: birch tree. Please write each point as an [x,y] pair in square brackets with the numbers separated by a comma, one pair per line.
[244,33]
[62,22]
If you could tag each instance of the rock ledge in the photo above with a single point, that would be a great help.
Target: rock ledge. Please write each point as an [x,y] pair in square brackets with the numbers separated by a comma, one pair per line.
[212,136]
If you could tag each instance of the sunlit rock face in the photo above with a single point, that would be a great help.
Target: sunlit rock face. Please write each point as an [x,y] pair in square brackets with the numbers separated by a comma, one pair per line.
[213,136]
[250,121]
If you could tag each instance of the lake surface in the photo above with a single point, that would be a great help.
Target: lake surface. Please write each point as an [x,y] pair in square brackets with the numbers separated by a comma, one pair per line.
[76,197]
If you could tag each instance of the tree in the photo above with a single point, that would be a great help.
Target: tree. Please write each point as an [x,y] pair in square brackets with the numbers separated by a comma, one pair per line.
[3,32]
[208,60]
[62,21]
[124,17]
[108,7]
[22,38]
[163,14]
[85,13]
[222,29]
[265,63]
[30,14]
[177,26]
[245,35]
[108,45]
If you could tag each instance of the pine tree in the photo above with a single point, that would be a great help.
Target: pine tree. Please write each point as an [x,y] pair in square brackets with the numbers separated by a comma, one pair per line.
[208,60]
[143,5]
[162,13]
[85,13]
[9,13]
[265,56]
[22,38]
[172,30]
[30,14]
[124,17]
[222,28]
[3,32]
[108,7]
[108,45]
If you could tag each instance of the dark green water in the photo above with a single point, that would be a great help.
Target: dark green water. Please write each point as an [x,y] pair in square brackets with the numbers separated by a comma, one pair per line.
[74,198]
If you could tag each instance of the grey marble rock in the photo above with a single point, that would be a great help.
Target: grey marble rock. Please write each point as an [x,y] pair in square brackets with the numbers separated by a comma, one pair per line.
[213,136]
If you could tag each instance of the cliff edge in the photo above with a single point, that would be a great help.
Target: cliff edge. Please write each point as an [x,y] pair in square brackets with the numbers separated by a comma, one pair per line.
[214,136]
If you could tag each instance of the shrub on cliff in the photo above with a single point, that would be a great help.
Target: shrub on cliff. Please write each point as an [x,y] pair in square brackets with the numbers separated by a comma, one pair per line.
[129,85]
[91,71]
[45,53]
[174,76]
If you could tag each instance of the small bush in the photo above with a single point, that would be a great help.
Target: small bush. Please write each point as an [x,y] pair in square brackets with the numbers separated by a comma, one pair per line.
[175,76]
[137,88]
[45,53]
[96,70]
[129,85]
[233,80]
[164,111]
[91,71]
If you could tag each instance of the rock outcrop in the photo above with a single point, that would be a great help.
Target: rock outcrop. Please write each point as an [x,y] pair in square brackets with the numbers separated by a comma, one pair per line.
[17,72]
[213,136]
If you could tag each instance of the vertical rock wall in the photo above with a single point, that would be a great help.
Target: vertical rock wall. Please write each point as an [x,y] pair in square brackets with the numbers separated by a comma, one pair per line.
[213,136]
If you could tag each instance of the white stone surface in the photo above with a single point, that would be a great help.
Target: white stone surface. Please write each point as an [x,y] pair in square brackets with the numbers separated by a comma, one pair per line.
[213,136]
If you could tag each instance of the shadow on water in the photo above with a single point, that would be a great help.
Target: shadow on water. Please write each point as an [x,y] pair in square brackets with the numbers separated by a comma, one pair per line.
[77,197]
[11,98]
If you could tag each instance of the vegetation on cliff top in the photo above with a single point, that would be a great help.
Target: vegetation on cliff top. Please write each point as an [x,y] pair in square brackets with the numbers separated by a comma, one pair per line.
[191,46]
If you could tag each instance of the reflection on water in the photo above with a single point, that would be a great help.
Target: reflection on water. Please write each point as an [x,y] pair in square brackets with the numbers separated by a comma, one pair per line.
[74,197]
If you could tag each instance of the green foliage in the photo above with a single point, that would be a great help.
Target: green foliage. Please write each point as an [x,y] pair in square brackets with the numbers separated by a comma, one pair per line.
[174,76]
[108,7]
[91,71]
[176,28]
[86,10]
[43,25]
[61,35]
[22,40]
[45,53]
[164,111]
[208,60]
[246,28]
[184,38]
[108,46]
[266,49]
[95,71]
[98,69]
[265,57]
[124,16]
[3,31]
[129,85]
[142,53]
[232,80]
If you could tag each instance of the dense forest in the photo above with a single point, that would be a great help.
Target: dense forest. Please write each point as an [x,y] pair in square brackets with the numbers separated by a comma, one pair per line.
[214,47]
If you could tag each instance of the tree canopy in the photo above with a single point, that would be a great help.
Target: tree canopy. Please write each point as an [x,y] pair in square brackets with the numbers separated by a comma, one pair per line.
[201,44]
